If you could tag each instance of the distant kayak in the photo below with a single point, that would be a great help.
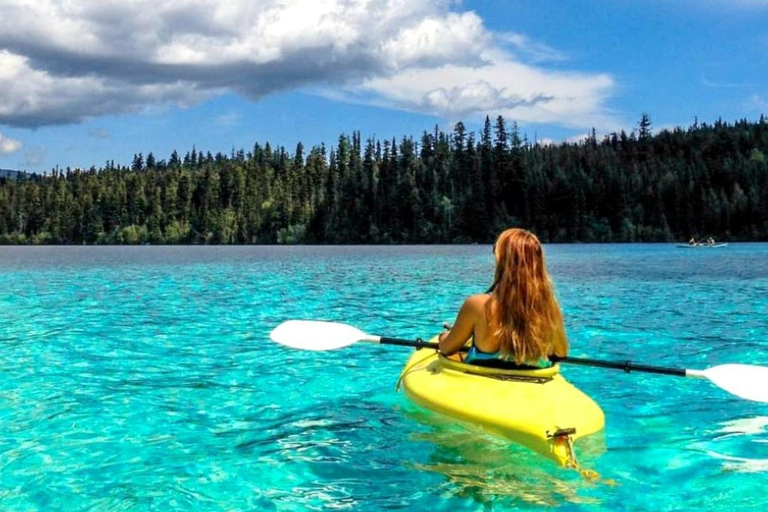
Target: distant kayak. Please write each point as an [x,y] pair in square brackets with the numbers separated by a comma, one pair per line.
[702,246]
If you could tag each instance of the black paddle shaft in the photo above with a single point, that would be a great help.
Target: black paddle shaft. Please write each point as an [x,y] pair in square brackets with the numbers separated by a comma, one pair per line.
[417,343]
[627,366]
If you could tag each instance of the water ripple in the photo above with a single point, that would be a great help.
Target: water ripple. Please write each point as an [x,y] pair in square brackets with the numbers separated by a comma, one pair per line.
[142,379]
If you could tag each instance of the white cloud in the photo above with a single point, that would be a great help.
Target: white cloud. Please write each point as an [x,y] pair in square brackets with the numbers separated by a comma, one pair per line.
[757,102]
[546,141]
[710,83]
[434,41]
[228,119]
[517,91]
[62,62]
[100,133]
[8,145]
[34,157]
[35,97]
[580,138]
[538,52]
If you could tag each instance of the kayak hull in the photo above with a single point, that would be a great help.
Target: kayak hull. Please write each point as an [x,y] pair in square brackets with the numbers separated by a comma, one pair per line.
[701,246]
[531,408]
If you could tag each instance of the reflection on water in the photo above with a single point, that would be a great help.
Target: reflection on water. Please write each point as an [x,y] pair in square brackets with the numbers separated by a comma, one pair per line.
[744,435]
[488,469]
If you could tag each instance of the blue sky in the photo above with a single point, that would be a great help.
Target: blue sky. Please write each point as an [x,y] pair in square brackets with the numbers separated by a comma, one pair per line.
[101,80]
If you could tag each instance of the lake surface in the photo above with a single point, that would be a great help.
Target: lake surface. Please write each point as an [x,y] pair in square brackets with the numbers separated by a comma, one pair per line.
[142,378]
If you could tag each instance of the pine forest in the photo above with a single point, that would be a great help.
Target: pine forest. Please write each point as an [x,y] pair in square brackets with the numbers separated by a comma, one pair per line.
[459,187]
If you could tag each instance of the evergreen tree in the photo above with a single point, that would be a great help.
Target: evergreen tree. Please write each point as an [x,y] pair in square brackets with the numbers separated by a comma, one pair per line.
[706,180]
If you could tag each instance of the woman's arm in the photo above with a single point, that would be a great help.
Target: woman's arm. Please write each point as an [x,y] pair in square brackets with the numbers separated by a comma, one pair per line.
[452,341]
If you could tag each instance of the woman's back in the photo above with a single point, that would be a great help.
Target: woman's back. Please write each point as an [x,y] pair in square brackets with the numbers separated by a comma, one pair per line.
[481,336]
[519,318]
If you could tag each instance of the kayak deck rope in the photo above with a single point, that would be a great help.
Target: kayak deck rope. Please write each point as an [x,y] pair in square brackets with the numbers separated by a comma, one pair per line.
[412,368]
[516,378]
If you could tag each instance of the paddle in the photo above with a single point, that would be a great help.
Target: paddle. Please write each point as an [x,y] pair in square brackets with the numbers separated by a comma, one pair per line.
[745,381]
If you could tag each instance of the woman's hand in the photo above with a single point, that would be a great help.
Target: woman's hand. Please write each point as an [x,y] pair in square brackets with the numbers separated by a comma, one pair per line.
[451,341]
[445,333]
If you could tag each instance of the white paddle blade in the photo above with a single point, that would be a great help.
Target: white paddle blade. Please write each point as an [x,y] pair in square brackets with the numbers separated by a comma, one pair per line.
[316,335]
[743,380]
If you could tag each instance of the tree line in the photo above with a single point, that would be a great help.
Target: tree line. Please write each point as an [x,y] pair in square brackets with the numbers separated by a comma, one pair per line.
[458,187]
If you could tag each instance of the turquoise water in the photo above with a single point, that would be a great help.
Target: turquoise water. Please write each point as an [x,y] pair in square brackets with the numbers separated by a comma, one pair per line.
[142,378]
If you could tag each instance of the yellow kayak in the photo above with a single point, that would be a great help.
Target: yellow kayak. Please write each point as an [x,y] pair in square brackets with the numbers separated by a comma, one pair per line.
[538,408]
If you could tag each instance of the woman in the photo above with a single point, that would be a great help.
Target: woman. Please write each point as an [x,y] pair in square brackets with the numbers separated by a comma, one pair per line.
[519,319]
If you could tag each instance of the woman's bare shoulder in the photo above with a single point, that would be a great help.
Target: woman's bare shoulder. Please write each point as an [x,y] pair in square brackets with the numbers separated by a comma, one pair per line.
[477,302]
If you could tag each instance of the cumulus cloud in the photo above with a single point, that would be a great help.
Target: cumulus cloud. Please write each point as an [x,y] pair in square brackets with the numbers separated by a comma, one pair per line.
[31,97]
[62,62]
[515,90]
[8,145]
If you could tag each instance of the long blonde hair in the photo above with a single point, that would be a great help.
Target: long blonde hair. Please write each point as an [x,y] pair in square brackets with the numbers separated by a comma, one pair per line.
[523,312]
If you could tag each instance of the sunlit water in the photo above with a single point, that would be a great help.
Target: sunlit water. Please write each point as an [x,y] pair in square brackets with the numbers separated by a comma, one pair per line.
[142,378]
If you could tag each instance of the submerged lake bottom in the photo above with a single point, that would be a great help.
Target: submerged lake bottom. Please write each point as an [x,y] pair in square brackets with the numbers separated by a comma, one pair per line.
[143,378]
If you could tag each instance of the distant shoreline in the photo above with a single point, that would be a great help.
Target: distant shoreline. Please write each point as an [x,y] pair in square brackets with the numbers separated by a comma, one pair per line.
[424,244]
